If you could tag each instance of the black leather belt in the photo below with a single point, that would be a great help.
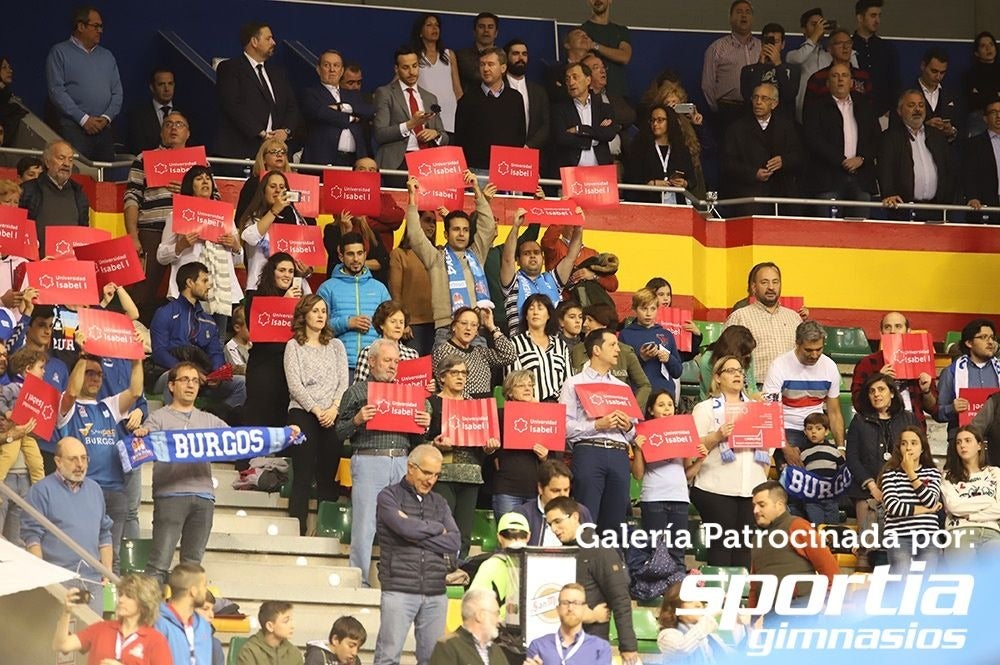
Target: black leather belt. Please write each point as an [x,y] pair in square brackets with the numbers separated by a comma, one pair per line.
[607,444]
[383,452]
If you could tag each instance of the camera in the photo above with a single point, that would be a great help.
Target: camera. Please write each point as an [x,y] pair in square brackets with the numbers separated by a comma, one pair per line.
[83,597]
[293,196]
[770,40]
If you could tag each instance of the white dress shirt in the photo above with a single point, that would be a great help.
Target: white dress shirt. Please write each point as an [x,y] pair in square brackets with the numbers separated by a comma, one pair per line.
[587,157]
[924,170]
[346,142]
[846,108]
[411,140]
[267,79]
[931,95]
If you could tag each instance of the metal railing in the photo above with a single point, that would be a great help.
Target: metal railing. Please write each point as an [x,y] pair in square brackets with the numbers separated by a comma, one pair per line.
[838,203]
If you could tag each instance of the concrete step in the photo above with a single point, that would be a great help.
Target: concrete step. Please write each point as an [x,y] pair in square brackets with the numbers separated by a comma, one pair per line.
[281,544]
[225,497]
[227,520]
[215,558]
[224,475]
[313,583]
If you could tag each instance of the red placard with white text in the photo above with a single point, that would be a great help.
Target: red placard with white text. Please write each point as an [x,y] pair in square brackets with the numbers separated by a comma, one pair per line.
[163,167]
[910,354]
[469,422]
[64,282]
[977,397]
[305,243]
[514,169]
[39,400]
[395,407]
[592,187]
[308,188]
[432,199]
[271,318]
[18,235]
[115,260]
[756,425]
[549,212]
[357,192]
[109,334]
[209,218]
[528,423]
[600,399]
[673,319]
[669,438]
[415,372]
[794,303]
[438,168]
[60,241]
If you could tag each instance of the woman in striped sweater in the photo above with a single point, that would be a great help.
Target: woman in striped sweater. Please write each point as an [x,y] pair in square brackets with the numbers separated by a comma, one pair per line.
[540,350]
[911,492]
[971,496]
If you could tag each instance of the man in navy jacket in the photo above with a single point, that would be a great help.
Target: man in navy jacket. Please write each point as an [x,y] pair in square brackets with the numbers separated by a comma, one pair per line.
[336,118]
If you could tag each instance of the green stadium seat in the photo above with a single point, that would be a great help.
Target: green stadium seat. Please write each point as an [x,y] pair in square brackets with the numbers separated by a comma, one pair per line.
[235,644]
[110,592]
[484,531]
[286,490]
[646,629]
[727,571]
[498,396]
[635,490]
[455,591]
[846,409]
[952,337]
[698,549]
[846,345]
[710,331]
[333,520]
[134,555]
[690,380]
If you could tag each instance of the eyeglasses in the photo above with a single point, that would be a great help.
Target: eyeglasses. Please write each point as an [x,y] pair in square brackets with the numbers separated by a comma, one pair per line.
[425,472]
[187,379]
[277,152]
[986,338]
[732,370]
[572,603]
[557,521]
[762,98]
[179,124]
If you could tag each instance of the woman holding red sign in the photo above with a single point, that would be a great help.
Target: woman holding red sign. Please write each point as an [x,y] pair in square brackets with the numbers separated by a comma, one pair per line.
[271,156]
[515,475]
[480,360]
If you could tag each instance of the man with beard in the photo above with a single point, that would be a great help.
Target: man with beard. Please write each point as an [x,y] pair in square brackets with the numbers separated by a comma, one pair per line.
[53,199]
[610,41]
[475,639]
[536,100]
[188,633]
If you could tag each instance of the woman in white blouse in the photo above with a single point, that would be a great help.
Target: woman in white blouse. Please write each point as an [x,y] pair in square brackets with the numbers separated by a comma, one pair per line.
[438,66]
[971,496]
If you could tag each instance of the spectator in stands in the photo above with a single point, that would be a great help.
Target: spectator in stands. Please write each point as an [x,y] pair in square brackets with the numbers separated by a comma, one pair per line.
[876,55]
[621,111]
[659,156]
[682,636]
[130,637]
[499,573]
[316,370]
[536,100]
[918,395]
[811,56]
[475,638]
[575,44]
[573,645]
[481,359]
[53,199]
[83,85]
[981,82]
[975,368]
[335,118]
[440,65]
[29,168]
[600,445]
[611,42]
[485,28]
[841,53]
[96,423]
[570,316]
[914,161]
[770,69]
[515,472]
[590,266]
[384,226]
[842,136]
[347,636]
[985,422]
[188,633]
[971,502]
[38,337]
[20,458]
[725,59]
[980,166]
[405,119]
[353,79]
[583,126]
[75,504]
[762,155]
[390,321]
[489,114]
[725,479]
[735,340]
[376,256]
[255,96]
[182,330]
[941,104]
[416,554]
[771,324]
[207,612]
[654,344]
[11,110]
[145,126]
[237,349]
[628,369]
[271,644]
[602,574]
[272,155]
[822,458]
[539,349]
[378,457]
[10,193]
[219,256]
[410,285]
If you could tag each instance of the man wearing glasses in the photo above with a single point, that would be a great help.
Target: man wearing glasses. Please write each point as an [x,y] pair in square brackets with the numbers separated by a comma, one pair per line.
[976,368]
[418,541]
[570,645]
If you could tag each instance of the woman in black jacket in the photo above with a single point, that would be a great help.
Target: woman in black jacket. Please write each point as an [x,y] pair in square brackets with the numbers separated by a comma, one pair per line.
[658,156]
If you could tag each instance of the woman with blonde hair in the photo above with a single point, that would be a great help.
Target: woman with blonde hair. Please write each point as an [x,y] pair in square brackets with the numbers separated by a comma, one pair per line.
[271,156]
[10,193]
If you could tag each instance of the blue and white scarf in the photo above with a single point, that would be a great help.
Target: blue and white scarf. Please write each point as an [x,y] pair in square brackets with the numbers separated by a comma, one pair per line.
[206,445]
[545,284]
[808,487]
[962,371]
[456,278]
[727,454]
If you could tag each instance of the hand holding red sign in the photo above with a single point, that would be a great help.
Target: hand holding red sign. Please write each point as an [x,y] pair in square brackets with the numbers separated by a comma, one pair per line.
[668,438]
[18,235]
[64,282]
[109,334]
[910,354]
[270,318]
[163,167]
[60,241]
[514,169]
[211,219]
[416,372]
[438,168]
[592,187]
[355,191]
[304,243]
[469,422]
[756,425]
[977,398]
[601,399]
[526,424]
[674,319]
[552,211]
[396,407]
[308,188]
[116,261]
[40,401]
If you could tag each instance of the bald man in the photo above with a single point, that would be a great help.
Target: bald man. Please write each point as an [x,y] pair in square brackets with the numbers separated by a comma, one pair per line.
[53,198]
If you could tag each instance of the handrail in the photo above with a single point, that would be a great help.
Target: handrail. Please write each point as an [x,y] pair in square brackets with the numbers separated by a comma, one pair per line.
[779,200]
[87,557]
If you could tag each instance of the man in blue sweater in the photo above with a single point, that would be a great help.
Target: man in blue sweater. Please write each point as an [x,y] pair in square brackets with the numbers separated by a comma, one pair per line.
[84,86]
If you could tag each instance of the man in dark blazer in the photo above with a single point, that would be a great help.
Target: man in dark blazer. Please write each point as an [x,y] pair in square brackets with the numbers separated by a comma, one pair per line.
[583,125]
[980,161]
[397,130]
[914,162]
[839,172]
[489,114]
[941,103]
[771,69]
[256,98]
[536,99]
[335,117]
[146,120]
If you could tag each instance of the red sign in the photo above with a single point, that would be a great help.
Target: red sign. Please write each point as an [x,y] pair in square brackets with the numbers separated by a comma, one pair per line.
[18,235]
[163,167]
[396,407]
[600,399]
[416,372]
[553,211]
[432,199]
[209,218]
[756,425]
[673,319]
[271,318]
[910,354]
[60,241]
[438,168]
[528,423]
[977,397]
[669,438]
[109,334]
[64,282]
[308,188]
[116,261]
[305,243]
[355,191]
[514,169]
[794,303]
[38,400]
[592,187]
[469,422]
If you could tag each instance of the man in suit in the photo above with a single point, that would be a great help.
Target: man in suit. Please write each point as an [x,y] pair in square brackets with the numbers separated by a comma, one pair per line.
[146,120]
[621,111]
[404,119]
[981,167]
[335,117]
[256,98]
[843,153]
[583,126]
[490,114]
[941,104]
[536,100]
[914,163]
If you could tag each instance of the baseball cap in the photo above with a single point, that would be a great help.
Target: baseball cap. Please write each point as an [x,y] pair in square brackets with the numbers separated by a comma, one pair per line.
[513,522]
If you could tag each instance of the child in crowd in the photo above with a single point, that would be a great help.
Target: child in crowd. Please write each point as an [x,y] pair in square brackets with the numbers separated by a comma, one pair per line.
[570,316]
[692,638]
[270,645]
[207,612]
[821,458]
[654,344]
[238,348]
[16,442]
[347,636]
